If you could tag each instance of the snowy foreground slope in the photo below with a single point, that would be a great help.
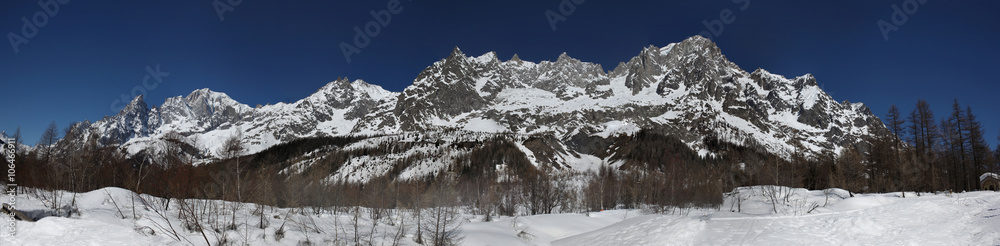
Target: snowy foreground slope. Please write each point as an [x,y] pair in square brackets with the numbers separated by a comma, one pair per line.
[747,218]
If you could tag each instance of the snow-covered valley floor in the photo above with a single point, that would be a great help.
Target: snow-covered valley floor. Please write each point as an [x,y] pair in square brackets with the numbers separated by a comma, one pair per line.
[748,217]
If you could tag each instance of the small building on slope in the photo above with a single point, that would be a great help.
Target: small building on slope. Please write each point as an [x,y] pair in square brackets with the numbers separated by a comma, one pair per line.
[989,181]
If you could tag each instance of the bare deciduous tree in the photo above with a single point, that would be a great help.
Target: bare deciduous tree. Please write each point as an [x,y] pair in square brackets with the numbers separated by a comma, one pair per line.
[443,219]
[232,149]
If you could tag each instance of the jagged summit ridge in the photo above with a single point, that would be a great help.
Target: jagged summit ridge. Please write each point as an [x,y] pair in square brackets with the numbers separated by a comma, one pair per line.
[687,89]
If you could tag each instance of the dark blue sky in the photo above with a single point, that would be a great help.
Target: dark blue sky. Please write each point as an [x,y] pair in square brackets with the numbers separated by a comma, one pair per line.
[89,53]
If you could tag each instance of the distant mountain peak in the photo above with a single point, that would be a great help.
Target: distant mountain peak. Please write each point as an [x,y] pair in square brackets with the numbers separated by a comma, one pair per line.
[515,58]
[489,57]
[698,39]
[208,95]
[679,89]
[564,57]
[200,92]
[138,104]
[140,99]
[456,53]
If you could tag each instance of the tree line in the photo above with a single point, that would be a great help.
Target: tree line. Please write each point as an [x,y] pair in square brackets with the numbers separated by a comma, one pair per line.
[933,154]
[491,176]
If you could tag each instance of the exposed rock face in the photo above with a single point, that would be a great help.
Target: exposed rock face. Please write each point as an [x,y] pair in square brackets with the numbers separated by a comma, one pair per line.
[128,124]
[206,117]
[201,111]
[448,82]
[687,89]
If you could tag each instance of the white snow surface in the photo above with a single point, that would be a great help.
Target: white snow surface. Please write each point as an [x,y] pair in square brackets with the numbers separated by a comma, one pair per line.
[613,128]
[803,217]
[483,125]
[866,219]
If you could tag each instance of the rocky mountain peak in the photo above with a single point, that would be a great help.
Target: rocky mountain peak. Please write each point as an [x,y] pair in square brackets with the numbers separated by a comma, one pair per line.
[456,53]
[698,43]
[137,104]
[488,58]
[805,80]
[515,58]
[130,122]
[208,94]
[339,84]
[767,80]
[698,40]
[698,93]
[343,93]
[565,58]
[199,93]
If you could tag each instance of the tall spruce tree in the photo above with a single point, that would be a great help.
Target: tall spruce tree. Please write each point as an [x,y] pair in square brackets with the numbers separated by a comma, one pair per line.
[925,134]
[958,140]
[48,139]
[978,148]
[895,123]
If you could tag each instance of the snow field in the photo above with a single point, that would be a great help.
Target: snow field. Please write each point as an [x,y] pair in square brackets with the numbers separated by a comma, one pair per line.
[748,217]
[866,219]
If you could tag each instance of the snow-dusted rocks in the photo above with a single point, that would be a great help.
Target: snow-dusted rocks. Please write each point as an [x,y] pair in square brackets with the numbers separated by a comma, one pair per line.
[205,118]
[687,89]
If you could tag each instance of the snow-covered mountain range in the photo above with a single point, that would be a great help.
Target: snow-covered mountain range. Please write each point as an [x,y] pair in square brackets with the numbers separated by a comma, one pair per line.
[687,89]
